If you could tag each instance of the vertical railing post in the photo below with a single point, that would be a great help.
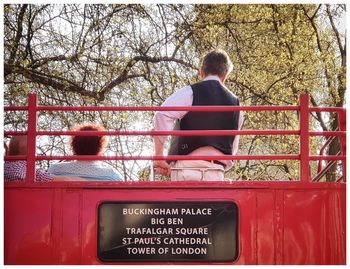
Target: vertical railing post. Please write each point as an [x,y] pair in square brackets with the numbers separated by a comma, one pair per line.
[304,168]
[342,127]
[31,137]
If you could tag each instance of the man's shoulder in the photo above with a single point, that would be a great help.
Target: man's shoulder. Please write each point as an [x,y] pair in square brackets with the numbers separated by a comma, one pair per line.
[184,88]
[14,170]
[182,96]
[231,94]
[17,163]
[197,83]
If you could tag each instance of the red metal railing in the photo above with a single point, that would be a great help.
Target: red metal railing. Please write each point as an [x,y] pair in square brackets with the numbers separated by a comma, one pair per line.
[304,134]
[321,171]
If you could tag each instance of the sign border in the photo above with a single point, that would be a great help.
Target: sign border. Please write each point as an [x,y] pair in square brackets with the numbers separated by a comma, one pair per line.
[131,261]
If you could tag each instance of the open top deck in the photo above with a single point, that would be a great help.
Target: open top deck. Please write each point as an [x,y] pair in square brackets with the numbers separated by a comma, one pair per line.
[267,222]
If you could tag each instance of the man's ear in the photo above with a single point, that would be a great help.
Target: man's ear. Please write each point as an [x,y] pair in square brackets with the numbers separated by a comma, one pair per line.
[223,78]
[201,73]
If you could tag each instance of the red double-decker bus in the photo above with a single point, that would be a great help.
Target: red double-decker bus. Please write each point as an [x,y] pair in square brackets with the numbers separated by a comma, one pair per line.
[233,222]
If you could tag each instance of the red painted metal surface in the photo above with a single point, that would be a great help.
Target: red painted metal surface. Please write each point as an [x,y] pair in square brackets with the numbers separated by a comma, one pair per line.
[182,133]
[181,157]
[279,222]
[311,224]
[291,222]
[342,127]
[163,108]
[31,137]
[304,138]
[323,150]
[176,108]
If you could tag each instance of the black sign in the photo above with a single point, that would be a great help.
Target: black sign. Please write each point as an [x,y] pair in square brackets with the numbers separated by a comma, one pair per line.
[168,231]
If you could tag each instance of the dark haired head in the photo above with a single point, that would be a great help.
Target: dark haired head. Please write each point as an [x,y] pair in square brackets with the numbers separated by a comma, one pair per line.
[88,145]
[217,63]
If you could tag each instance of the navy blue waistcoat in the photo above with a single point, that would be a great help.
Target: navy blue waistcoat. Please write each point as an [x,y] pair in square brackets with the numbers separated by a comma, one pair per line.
[207,93]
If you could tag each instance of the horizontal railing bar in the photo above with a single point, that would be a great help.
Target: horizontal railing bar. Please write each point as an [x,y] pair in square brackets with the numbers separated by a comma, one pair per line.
[327,109]
[176,133]
[161,108]
[328,133]
[293,183]
[182,133]
[167,158]
[162,133]
[15,158]
[328,157]
[15,108]
[177,108]
[15,133]
[180,157]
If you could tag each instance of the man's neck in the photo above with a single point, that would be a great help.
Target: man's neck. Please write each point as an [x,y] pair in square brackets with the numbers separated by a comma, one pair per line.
[213,77]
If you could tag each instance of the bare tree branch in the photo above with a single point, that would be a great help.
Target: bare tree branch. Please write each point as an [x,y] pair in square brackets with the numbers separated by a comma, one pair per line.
[15,44]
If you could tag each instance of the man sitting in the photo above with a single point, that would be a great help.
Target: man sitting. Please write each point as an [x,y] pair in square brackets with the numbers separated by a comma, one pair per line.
[16,170]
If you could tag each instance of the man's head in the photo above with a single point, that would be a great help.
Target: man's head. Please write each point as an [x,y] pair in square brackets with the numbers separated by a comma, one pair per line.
[88,145]
[216,63]
[18,145]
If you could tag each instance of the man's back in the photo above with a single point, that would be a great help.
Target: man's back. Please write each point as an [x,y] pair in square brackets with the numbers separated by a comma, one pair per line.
[209,93]
[214,71]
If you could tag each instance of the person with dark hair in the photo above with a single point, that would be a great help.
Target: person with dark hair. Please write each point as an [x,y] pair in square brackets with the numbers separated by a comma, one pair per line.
[211,91]
[87,145]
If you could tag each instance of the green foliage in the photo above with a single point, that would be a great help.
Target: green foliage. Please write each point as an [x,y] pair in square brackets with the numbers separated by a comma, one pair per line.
[279,51]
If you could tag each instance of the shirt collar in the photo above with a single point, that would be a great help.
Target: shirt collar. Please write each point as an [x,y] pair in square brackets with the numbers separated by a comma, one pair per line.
[88,161]
[212,77]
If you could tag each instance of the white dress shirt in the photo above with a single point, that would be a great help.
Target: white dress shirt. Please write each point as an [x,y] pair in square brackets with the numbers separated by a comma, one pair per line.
[165,121]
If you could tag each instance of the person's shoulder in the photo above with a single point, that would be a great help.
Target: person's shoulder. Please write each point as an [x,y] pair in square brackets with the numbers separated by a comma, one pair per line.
[182,97]
[198,83]
[108,173]
[59,166]
[233,95]
[107,169]
[230,93]
[115,174]
[42,175]
[14,170]
[184,89]
[18,163]
[102,165]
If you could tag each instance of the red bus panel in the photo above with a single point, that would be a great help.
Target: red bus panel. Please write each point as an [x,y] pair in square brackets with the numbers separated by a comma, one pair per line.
[278,222]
